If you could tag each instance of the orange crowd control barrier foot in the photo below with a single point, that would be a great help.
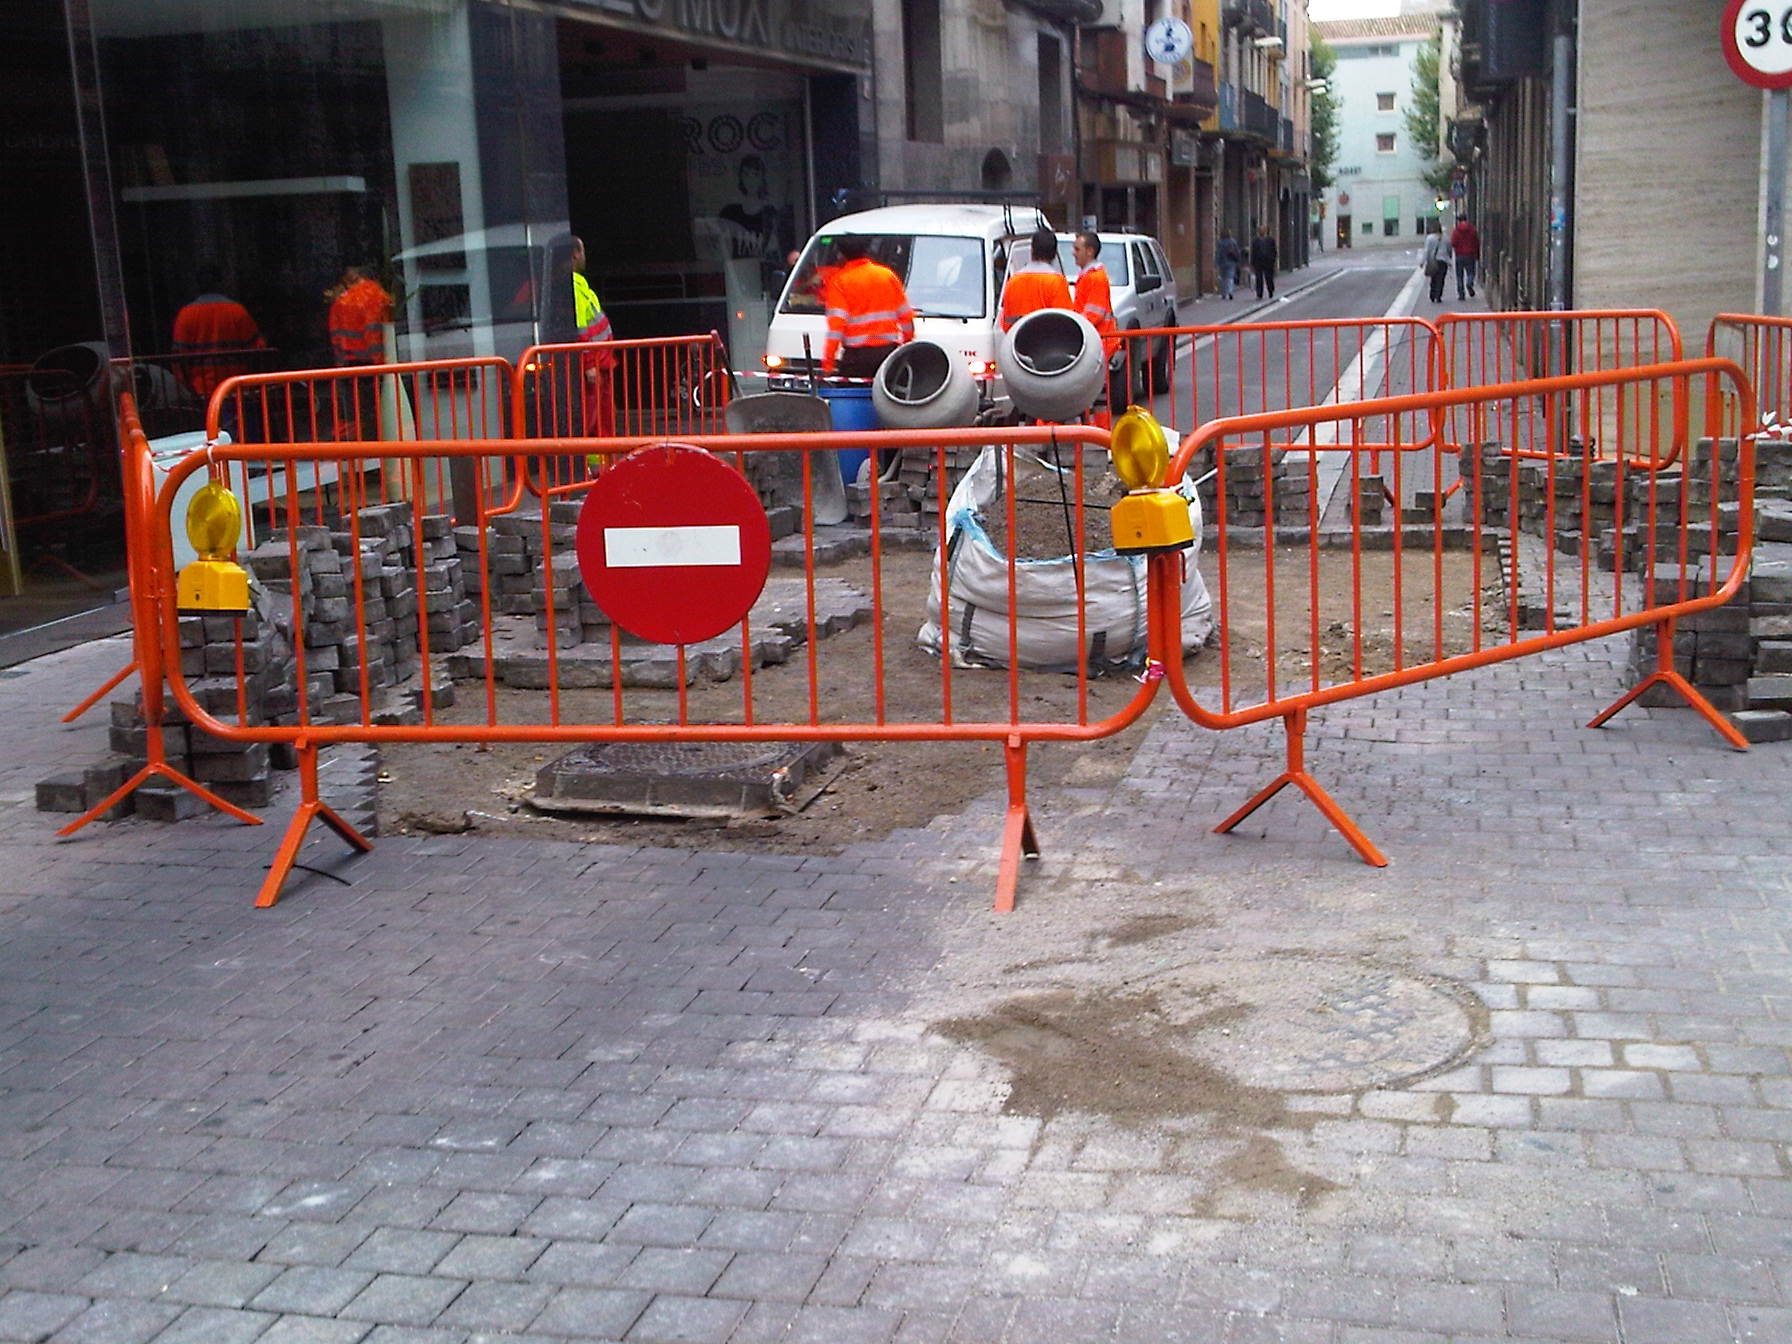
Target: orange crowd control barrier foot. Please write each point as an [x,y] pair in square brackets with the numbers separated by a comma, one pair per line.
[117,680]
[168,772]
[311,808]
[1018,837]
[1296,774]
[1665,674]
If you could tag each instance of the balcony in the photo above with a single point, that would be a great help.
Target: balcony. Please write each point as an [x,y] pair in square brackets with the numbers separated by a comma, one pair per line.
[1196,99]
[1255,16]
[1103,67]
[1258,119]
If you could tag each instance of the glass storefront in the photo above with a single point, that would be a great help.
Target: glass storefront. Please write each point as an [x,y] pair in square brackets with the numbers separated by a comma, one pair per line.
[258,149]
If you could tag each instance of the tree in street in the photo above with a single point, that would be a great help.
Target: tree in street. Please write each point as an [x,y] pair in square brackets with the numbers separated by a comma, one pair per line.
[1423,119]
[1324,115]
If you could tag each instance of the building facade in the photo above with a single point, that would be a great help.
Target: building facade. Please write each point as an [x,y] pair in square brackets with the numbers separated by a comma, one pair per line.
[1378,196]
[153,148]
[1560,107]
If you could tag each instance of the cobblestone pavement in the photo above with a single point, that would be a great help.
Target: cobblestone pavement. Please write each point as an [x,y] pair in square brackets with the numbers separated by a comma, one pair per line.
[1528,1083]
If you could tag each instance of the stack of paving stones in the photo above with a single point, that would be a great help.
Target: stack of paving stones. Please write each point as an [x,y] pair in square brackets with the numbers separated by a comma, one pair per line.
[1739,655]
[242,773]
[1257,493]
[918,475]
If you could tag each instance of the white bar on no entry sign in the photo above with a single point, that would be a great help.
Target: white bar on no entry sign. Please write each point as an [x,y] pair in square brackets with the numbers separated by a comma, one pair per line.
[641,547]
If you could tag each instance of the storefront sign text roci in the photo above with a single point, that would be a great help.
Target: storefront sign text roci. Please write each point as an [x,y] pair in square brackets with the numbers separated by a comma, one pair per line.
[770,25]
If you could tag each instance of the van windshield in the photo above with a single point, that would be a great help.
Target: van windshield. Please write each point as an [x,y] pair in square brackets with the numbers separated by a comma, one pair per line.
[942,274]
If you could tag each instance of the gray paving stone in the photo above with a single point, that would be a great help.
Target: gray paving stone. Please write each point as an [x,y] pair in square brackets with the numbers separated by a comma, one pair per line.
[27,1315]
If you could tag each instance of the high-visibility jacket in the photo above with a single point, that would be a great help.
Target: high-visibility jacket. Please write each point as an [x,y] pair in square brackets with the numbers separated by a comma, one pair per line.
[1036,285]
[600,409]
[357,319]
[208,325]
[1095,301]
[588,313]
[867,305]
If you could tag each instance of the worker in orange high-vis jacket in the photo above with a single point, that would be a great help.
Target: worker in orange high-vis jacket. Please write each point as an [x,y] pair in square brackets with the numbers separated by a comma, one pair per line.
[868,312]
[359,311]
[1094,299]
[206,328]
[1038,284]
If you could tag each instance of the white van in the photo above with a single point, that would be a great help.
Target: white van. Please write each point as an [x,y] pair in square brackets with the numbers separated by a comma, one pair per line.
[951,259]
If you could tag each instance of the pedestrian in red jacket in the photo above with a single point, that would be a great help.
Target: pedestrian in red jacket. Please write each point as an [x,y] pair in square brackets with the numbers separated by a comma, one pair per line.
[1465,242]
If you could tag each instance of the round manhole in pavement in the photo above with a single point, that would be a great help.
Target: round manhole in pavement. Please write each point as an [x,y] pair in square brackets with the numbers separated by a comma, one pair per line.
[1315,1024]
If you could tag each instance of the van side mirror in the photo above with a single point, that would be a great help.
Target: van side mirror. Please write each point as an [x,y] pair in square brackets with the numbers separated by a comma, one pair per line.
[1147,283]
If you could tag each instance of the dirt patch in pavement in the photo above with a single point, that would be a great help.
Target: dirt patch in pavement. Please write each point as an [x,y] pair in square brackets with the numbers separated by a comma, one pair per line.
[881,787]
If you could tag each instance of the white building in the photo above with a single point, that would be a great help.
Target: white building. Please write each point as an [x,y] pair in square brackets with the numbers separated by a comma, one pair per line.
[1378,196]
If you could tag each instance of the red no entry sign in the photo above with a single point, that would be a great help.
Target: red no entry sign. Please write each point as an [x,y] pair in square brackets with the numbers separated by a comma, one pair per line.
[673,544]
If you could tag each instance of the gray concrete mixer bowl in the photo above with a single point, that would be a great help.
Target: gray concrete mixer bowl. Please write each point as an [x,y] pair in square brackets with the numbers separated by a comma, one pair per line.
[1051,345]
[916,372]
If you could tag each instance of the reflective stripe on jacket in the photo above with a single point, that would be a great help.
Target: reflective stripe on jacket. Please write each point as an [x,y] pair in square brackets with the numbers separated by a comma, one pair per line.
[867,305]
[1095,301]
[593,325]
[356,321]
[209,324]
[1029,289]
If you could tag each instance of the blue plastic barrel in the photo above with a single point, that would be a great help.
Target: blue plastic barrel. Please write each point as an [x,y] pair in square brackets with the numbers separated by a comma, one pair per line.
[851,407]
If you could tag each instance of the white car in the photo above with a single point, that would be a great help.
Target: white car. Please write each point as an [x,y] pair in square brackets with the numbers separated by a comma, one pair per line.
[1144,292]
[951,259]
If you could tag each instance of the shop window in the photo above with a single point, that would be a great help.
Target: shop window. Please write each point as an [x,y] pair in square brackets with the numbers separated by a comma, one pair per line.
[923,77]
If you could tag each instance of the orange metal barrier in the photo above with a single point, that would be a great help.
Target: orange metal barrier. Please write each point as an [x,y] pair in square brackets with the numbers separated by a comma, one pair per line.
[151,580]
[1588,535]
[360,407]
[1763,347]
[828,693]
[361,599]
[1190,375]
[1482,349]
[664,387]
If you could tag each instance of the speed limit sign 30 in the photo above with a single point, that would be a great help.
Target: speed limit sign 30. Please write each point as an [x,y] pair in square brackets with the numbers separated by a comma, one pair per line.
[1757,38]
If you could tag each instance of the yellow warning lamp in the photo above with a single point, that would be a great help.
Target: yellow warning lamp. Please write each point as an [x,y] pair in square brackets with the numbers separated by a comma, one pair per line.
[1151,517]
[213,582]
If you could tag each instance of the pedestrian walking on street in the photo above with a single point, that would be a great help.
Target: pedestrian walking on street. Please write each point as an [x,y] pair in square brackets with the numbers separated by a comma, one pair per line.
[1226,259]
[1437,260]
[1263,263]
[1465,242]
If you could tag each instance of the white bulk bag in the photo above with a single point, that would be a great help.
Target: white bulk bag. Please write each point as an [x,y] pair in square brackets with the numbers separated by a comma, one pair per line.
[1045,593]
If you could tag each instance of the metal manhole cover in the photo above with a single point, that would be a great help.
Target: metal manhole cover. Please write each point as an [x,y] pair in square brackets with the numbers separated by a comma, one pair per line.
[1316,1024]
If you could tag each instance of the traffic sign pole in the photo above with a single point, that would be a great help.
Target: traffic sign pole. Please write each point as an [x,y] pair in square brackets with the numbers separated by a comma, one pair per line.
[1774,232]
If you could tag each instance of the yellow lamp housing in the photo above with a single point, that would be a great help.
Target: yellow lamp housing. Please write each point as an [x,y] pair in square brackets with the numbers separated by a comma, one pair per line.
[213,582]
[1151,517]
